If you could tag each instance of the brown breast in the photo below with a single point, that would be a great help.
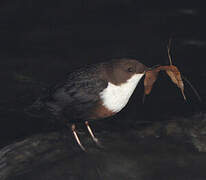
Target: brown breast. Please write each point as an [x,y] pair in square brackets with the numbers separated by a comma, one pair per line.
[100,112]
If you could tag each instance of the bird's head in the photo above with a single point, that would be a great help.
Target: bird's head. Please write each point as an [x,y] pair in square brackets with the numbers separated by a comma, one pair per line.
[121,70]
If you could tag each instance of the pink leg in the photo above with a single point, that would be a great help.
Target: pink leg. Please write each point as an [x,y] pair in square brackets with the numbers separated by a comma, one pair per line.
[92,134]
[76,137]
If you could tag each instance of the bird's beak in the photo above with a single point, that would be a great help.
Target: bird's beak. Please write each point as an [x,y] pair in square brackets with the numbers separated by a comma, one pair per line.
[151,68]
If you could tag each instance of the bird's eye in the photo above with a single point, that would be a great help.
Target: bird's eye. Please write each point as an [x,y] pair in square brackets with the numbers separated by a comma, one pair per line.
[130,69]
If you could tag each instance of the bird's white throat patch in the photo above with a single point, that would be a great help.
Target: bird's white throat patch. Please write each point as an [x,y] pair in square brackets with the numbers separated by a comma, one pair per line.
[116,97]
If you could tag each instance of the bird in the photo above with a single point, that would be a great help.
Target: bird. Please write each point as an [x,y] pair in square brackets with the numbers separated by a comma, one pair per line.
[93,92]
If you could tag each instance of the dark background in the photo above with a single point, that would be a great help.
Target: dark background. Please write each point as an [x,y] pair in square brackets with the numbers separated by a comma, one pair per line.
[40,41]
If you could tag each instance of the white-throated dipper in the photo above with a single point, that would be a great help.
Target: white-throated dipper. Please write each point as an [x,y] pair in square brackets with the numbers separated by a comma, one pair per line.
[95,91]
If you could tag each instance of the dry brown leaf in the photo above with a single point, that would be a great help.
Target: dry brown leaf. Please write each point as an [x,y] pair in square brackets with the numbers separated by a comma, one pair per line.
[150,78]
[171,70]
[175,76]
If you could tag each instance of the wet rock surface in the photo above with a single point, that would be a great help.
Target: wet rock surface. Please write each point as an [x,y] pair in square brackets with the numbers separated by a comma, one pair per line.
[162,150]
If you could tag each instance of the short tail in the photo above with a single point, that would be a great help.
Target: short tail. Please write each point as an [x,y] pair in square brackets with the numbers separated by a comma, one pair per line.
[38,109]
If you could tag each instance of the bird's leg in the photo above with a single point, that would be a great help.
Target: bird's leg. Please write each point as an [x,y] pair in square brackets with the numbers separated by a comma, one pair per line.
[92,134]
[76,137]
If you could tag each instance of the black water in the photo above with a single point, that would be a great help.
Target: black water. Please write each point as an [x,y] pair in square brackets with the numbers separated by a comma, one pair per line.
[42,41]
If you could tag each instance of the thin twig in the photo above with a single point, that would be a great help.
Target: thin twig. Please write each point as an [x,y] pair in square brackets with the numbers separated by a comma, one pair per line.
[168,51]
[193,88]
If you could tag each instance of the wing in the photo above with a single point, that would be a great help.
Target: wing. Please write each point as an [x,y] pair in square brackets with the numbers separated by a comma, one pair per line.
[79,92]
